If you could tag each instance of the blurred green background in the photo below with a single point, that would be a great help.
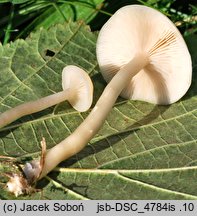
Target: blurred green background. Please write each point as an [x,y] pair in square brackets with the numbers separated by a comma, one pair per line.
[20,17]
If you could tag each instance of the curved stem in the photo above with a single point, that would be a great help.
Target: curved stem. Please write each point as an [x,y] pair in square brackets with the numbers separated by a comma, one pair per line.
[90,126]
[32,107]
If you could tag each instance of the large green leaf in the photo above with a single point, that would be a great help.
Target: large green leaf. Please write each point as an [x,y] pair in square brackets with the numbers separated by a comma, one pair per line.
[142,151]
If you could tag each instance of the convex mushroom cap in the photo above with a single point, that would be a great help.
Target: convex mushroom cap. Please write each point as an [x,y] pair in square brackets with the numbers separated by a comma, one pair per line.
[79,84]
[139,29]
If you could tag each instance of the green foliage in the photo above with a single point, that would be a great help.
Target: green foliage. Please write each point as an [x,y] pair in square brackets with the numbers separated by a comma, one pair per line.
[143,151]
[14,1]
[31,15]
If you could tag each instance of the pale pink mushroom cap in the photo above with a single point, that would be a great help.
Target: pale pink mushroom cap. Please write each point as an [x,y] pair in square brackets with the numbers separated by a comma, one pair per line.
[133,29]
[77,81]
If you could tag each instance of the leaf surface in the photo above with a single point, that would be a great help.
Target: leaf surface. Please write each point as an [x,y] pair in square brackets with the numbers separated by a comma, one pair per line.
[142,151]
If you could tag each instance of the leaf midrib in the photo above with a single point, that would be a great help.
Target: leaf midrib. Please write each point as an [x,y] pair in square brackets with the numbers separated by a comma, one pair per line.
[120,174]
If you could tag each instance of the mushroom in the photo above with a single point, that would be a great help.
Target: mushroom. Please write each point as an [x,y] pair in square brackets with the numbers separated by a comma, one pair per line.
[142,33]
[77,89]
[143,56]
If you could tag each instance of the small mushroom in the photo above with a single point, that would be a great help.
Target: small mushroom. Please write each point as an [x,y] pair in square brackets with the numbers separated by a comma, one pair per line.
[141,50]
[77,89]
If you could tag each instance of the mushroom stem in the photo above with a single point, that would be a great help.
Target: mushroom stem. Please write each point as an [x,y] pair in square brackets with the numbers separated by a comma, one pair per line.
[90,126]
[32,107]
